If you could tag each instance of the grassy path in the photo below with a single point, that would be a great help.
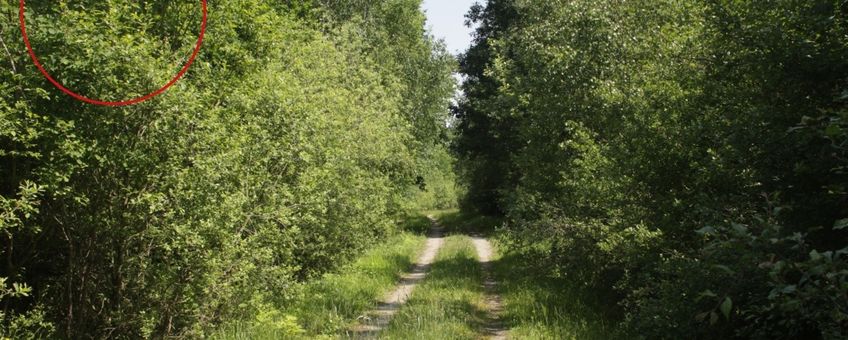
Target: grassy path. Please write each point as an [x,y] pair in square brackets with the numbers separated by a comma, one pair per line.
[458,300]
[376,320]
[459,288]
[502,296]
[450,303]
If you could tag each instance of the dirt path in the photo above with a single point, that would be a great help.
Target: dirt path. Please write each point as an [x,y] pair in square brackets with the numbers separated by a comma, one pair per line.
[376,320]
[494,328]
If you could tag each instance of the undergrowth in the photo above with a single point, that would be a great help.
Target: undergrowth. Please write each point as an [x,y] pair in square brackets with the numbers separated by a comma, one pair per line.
[325,307]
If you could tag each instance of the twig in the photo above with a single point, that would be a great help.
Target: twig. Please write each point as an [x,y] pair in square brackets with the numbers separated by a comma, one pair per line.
[6,48]
[8,53]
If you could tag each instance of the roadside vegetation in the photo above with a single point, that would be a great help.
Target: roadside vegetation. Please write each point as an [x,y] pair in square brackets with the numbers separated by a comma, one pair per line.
[538,305]
[301,137]
[328,306]
[654,169]
[683,160]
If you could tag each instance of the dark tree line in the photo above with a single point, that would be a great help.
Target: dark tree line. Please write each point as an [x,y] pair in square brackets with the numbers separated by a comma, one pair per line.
[687,160]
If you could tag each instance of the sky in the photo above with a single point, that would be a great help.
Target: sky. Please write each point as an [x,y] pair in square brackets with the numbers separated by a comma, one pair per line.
[446,19]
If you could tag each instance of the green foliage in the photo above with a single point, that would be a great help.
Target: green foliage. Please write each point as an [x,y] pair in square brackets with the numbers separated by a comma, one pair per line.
[438,187]
[539,306]
[609,132]
[287,150]
[30,325]
[486,141]
[328,306]
[391,32]
[463,222]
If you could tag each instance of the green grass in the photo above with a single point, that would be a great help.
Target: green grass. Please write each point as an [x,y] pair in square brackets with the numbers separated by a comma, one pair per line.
[450,303]
[418,223]
[459,222]
[540,307]
[329,305]
[536,306]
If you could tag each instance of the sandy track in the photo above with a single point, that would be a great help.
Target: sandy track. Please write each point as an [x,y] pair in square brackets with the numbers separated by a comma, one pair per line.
[377,319]
[494,328]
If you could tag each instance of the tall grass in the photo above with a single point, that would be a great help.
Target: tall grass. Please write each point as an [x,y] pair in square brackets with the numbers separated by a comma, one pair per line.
[324,307]
[537,306]
[330,304]
[450,303]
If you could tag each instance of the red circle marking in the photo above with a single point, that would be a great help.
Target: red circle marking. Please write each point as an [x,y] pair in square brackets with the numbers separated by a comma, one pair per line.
[114,103]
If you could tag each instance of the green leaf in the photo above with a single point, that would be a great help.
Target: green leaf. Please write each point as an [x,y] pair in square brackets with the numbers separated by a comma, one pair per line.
[840,224]
[705,294]
[833,130]
[20,289]
[706,230]
[708,293]
[814,255]
[739,228]
[726,306]
[724,268]
[788,289]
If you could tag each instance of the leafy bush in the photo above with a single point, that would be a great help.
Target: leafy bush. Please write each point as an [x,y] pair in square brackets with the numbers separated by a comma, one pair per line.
[288,148]
[608,132]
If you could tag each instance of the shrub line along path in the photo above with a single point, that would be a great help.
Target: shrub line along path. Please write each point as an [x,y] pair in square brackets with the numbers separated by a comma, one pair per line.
[378,319]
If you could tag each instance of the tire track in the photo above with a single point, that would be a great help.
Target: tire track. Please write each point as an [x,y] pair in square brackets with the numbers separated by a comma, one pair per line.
[378,319]
[494,328]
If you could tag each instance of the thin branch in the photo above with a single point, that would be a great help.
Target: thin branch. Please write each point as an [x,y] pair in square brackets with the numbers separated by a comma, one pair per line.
[8,53]
[6,48]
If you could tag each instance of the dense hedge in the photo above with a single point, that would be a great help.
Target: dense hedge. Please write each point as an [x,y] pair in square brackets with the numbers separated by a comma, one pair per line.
[294,142]
[684,158]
